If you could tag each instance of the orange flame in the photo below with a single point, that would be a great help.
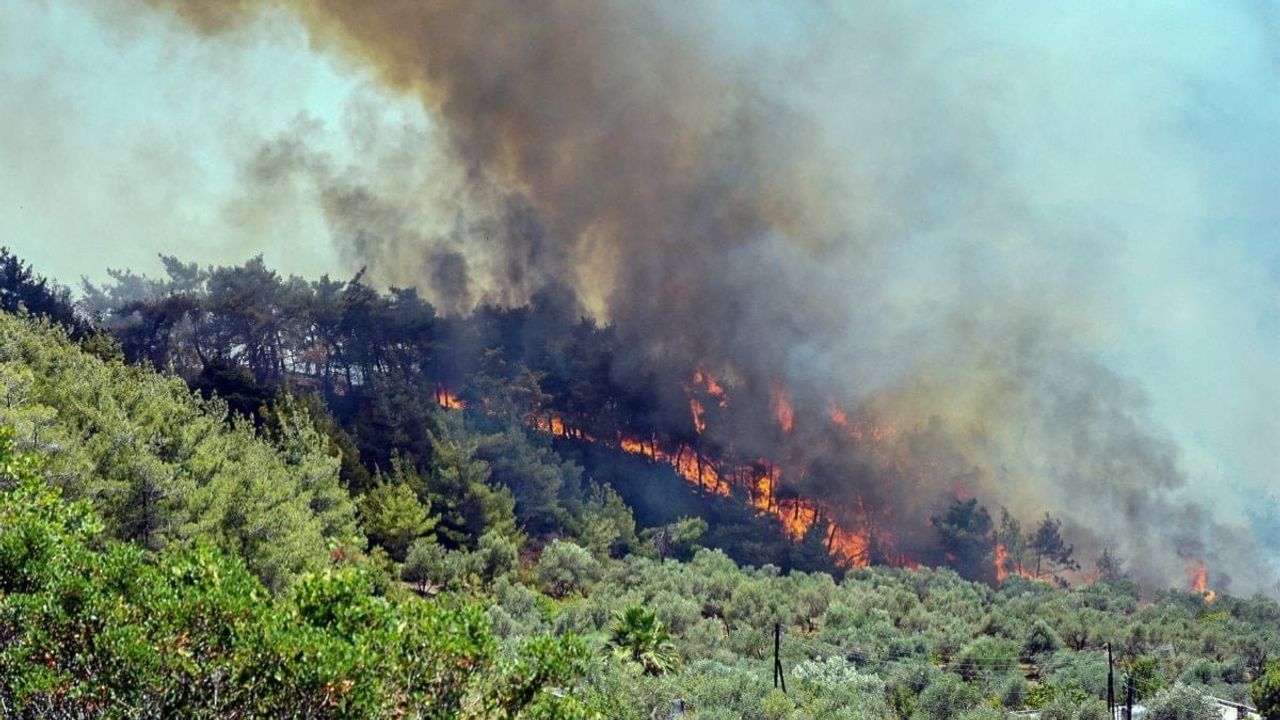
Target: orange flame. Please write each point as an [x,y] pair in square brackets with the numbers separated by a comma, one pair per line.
[699,419]
[555,426]
[781,403]
[635,447]
[1198,578]
[1004,568]
[448,400]
[851,548]
[708,382]
[848,545]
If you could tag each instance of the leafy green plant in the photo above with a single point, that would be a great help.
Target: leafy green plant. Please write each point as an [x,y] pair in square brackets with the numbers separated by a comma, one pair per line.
[1266,692]
[638,635]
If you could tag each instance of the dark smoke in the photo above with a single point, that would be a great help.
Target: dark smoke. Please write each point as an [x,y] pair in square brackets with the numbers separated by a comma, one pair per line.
[829,207]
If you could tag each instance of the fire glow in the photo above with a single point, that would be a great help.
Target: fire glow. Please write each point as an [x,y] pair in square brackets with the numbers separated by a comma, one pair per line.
[861,533]
[782,409]
[1004,568]
[1198,578]
[448,400]
[849,544]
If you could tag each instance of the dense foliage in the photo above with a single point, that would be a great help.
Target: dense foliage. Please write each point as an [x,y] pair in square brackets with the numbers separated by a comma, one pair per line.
[374,368]
[1266,691]
[89,630]
[162,466]
[288,534]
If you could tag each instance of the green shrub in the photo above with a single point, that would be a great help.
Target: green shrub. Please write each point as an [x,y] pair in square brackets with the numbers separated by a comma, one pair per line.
[565,567]
[94,630]
[946,698]
[1266,692]
[1181,702]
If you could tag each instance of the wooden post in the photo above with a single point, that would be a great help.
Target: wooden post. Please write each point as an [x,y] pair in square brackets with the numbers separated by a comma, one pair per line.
[1111,679]
[778,676]
[1128,699]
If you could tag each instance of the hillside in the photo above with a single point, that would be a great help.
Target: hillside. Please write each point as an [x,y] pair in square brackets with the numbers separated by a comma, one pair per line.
[618,360]
[183,490]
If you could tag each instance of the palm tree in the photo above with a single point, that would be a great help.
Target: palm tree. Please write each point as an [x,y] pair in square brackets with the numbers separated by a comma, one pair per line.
[639,635]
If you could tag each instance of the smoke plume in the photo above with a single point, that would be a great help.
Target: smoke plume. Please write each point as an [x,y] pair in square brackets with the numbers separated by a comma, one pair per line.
[855,205]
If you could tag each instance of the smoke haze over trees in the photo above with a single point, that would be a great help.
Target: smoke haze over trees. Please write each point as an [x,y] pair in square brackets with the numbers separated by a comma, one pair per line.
[383,364]
[720,211]
[472,359]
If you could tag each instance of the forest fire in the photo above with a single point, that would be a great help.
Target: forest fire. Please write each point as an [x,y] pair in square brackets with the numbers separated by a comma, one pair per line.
[767,284]
[708,382]
[699,415]
[704,383]
[853,535]
[1004,567]
[850,548]
[448,400]
[552,425]
[1198,578]
[761,480]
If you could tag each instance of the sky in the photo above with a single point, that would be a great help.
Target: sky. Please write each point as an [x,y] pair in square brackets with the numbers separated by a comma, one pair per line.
[1155,127]
[123,138]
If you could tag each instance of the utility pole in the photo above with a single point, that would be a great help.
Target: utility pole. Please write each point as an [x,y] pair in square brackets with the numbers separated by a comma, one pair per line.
[1111,684]
[778,677]
[1128,699]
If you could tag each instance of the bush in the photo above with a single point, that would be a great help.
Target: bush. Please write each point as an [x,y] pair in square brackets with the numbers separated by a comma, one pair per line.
[1011,689]
[1181,703]
[983,713]
[639,636]
[1040,640]
[93,630]
[1266,692]
[946,698]
[394,518]
[496,555]
[1147,680]
[163,467]
[1072,707]
[987,657]
[565,567]
[428,565]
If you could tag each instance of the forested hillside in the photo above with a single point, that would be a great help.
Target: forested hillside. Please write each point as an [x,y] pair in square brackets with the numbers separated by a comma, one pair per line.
[230,494]
[518,414]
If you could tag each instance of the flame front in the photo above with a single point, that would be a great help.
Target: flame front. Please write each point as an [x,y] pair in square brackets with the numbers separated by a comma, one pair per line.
[849,542]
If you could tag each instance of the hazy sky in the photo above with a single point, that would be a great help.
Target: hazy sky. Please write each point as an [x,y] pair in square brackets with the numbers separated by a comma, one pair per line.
[122,139]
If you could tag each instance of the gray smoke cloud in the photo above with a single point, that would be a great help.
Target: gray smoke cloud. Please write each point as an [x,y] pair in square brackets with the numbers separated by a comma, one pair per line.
[929,217]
